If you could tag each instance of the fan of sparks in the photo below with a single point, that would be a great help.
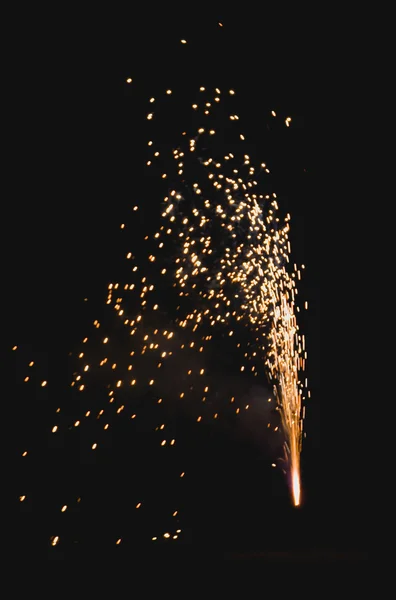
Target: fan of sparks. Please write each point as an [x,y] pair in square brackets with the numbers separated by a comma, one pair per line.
[215,266]
[234,255]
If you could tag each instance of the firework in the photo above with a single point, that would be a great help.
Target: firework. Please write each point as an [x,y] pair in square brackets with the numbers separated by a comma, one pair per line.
[211,279]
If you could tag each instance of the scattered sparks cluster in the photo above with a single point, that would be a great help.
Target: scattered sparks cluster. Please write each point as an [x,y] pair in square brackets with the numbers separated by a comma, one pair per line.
[213,279]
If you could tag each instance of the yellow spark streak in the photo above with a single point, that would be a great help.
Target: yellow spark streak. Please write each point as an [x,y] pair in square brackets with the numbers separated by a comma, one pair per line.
[296,487]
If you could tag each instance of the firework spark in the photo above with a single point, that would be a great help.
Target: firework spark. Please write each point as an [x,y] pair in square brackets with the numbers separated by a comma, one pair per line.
[212,280]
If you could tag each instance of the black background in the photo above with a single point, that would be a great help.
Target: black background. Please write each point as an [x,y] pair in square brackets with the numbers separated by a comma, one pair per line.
[75,160]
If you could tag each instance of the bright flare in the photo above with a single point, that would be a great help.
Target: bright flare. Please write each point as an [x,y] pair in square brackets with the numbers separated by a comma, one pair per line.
[296,487]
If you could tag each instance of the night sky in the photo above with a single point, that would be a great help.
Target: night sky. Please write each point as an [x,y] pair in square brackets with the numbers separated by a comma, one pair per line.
[80,144]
